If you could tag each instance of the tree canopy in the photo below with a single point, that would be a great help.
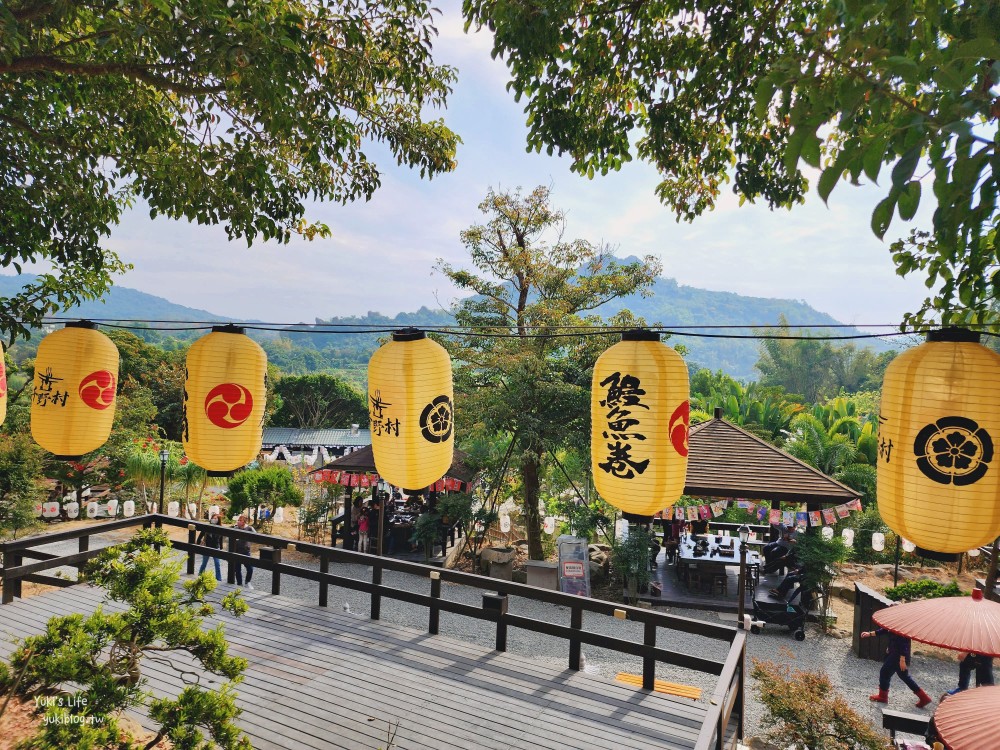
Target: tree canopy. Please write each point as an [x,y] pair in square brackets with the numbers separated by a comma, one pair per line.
[219,112]
[748,92]
[529,380]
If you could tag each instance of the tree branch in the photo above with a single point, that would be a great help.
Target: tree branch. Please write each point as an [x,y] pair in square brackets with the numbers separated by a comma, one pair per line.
[48,64]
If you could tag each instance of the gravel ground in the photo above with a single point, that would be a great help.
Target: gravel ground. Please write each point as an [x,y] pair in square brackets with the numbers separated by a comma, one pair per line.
[854,678]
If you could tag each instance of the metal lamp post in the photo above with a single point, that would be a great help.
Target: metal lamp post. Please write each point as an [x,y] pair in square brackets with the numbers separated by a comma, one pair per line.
[164,455]
[744,533]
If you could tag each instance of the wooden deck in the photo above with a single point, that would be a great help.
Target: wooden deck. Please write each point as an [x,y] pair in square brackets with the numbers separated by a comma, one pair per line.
[322,679]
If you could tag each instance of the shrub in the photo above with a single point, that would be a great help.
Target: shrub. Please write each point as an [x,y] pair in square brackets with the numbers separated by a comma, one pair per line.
[99,658]
[804,713]
[911,590]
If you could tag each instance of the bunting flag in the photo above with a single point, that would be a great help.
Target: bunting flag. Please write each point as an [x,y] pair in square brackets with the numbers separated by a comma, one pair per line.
[843,511]
[692,513]
[762,512]
[788,518]
[801,519]
[855,504]
[775,517]
[679,513]
[751,507]
[829,516]
[744,504]
[815,518]
[311,461]
[704,513]
[717,509]
[364,481]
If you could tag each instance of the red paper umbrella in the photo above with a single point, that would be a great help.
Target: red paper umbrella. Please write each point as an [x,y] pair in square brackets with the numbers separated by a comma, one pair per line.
[961,623]
[968,720]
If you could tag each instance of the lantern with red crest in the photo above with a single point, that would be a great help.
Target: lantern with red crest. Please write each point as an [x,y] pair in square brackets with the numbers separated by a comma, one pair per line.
[73,396]
[224,398]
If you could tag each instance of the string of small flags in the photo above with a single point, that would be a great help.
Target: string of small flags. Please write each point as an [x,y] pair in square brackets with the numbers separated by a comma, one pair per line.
[764,512]
[366,480]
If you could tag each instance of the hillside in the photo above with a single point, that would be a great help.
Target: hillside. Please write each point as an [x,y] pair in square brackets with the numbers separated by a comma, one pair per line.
[671,304]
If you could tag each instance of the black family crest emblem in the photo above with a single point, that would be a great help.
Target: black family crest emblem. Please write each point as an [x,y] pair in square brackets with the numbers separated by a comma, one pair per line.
[953,450]
[436,420]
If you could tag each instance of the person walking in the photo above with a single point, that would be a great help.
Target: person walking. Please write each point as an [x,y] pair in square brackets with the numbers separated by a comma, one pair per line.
[242,547]
[897,661]
[969,663]
[214,540]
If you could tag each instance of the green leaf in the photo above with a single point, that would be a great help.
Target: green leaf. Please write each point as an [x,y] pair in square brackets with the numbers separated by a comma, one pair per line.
[905,167]
[909,200]
[873,158]
[978,49]
[810,150]
[827,181]
[794,147]
[903,67]
[762,97]
[882,216]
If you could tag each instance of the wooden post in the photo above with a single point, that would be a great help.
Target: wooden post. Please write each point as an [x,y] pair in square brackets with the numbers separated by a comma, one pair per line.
[376,608]
[434,610]
[324,567]
[11,587]
[275,573]
[230,563]
[498,603]
[648,662]
[345,532]
[83,546]
[575,622]
[192,537]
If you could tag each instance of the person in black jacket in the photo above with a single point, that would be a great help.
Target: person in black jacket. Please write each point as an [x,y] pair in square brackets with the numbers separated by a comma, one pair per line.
[242,547]
[213,540]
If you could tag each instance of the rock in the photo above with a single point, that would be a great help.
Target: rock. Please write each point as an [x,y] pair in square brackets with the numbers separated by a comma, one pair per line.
[756,743]
[603,547]
[851,571]
[882,571]
[600,558]
[499,555]
[906,575]
[597,573]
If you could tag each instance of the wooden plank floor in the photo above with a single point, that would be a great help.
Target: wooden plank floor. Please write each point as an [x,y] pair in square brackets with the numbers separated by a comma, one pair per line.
[321,679]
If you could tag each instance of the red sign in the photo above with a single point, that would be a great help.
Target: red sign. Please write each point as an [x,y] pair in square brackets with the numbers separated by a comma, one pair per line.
[97,390]
[572,570]
[228,405]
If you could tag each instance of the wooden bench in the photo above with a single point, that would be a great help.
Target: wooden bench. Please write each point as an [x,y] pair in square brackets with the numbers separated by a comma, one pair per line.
[661,686]
[901,721]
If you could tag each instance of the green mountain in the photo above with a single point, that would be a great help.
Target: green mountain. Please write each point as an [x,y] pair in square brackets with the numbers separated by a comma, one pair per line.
[671,305]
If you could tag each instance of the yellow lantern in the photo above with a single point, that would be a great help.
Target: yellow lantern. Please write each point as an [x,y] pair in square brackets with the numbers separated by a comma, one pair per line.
[225,390]
[3,387]
[639,414]
[73,396]
[938,477]
[411,412]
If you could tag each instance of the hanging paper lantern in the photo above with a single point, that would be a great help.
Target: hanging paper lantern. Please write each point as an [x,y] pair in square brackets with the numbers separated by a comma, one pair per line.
[224,393]
[549,526]
[878,541]
[73,398]
[621,528]
[51,509]
[827,533]
[128,508]
[639,424]
[73,509]
[92,509]
[410,409]
[938,476]
[505,524]
[908,546]
[3,387]
[848,537]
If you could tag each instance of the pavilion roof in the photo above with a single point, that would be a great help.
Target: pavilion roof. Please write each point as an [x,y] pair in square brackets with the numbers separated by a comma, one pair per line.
[725,460]
[363,460]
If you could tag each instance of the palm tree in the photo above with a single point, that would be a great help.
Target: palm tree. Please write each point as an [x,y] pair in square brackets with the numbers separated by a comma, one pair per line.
[190,475]
[833,451]
[142,468]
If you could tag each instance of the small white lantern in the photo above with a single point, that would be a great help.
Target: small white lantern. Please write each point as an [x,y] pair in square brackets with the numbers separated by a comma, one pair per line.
[848,537]
[974,552]
[112,508]
[92,509]
[505,524]
[549,525]
[827,533]
[39,509]
[128,508]
[621,528]
[173,509]
[279,515]
[73,510]
[51,510]
[878,541]
[213,510]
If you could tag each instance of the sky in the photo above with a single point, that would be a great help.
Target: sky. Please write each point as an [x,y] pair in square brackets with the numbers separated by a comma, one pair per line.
[382,253]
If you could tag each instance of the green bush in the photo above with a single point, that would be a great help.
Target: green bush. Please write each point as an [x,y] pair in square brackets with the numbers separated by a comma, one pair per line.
[911,590]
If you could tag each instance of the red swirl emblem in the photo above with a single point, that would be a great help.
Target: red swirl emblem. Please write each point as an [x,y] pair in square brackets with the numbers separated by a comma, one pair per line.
[678,428]
[97,390]
[228,405]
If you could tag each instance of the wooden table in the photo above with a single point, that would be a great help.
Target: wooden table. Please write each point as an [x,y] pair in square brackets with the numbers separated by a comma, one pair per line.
[711,559]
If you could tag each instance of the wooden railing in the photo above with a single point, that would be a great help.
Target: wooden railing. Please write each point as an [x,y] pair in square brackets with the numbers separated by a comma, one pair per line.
[726,703]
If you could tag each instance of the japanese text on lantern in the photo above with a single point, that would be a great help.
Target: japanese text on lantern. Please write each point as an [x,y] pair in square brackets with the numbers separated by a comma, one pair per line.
[623,395]
[884,446]
[44,393]
[382,424]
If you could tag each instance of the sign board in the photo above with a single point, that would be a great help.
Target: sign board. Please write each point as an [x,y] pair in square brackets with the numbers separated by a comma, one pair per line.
[574,565]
